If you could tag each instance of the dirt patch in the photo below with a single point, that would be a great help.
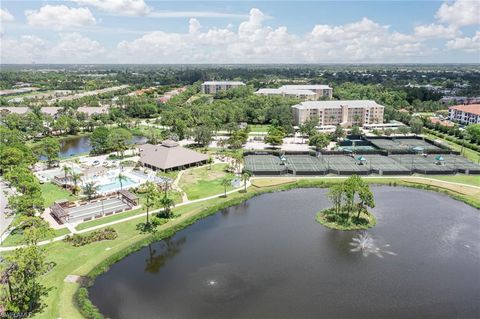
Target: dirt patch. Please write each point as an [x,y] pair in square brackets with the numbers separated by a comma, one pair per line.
[272,182]
[461,189]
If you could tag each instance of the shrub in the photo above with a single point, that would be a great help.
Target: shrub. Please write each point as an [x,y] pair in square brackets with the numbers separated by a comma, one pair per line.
[87,309]
[77,240]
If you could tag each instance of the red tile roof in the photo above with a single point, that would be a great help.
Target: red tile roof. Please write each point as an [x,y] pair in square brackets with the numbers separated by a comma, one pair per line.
[470,108]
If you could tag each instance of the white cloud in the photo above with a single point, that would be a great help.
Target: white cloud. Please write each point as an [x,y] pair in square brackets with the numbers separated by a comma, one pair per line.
[75,47]
[194,14]
[436,31]
[6,16]
[460,12]
[122,7]
[193,25]
[466,44]
[69,48]
[252,42]
[60,17]
[26,49]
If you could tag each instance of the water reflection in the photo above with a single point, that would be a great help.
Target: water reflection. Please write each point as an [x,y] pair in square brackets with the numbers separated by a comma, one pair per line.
[169,248]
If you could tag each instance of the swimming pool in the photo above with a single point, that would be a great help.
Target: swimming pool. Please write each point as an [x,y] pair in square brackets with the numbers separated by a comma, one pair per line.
[115,184]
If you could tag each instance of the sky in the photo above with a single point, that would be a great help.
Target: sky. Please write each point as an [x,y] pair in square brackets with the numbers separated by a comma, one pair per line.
[161,32]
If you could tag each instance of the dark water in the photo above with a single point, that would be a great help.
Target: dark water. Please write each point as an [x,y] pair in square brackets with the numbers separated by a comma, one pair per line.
[268,258]
[81,144]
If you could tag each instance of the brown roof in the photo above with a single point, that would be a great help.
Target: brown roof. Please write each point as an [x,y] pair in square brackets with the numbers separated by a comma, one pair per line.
[470,108]
[436,120]
[127,194]
[167,157]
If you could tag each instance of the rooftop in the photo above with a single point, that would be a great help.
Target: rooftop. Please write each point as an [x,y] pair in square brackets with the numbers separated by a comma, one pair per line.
[336,104]
[223,83]
[169,155]
[306,87]
[470,108]
[286,91]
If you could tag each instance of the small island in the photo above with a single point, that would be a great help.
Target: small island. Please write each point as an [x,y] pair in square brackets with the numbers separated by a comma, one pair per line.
[351,200]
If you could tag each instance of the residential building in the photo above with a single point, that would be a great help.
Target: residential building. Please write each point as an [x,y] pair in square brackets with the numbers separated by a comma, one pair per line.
[464,114]
[345,113]
[169,156]
[307,92]
[212,87]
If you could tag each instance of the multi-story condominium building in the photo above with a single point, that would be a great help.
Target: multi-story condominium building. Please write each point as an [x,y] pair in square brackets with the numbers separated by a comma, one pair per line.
[345,113]
[212,87]
[305,95]
[464,114]
[304,92]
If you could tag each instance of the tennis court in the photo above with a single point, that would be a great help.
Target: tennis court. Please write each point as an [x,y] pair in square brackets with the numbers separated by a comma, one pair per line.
[402,144]
[423,164]
[344,165]
[384,165]
[459,163]
[305,165]
[264,165]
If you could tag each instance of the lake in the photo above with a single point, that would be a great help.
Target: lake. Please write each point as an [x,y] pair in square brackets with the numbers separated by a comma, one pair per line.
[269,258]
[81,144]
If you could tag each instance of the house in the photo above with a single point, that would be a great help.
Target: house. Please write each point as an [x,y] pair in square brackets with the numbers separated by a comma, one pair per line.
[169,155]
[345,113]
[212,87]
[464,114]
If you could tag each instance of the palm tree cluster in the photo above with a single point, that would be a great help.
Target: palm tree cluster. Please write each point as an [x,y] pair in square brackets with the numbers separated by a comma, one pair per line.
[76,178]
[350,198]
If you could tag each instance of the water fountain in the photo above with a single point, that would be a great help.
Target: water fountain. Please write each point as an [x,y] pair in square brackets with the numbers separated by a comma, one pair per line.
[366,244]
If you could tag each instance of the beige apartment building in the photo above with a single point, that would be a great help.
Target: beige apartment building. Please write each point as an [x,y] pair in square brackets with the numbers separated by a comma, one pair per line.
[212,87]
[345,113]
[307,92]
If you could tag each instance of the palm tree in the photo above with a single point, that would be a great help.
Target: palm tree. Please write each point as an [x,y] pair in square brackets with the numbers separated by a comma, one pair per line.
[151,197]
[225,183]
[121,178]
[66,170]
[167,204]
[245,177]
[76,177]
[90,189]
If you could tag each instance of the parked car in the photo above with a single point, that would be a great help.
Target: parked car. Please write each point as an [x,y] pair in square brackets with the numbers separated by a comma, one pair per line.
[96,162]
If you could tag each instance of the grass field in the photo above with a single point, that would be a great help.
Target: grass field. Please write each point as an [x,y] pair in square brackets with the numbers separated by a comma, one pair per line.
[203,182]
[52,192]
[255,128]
[84,260]
[464,179]
[17,239]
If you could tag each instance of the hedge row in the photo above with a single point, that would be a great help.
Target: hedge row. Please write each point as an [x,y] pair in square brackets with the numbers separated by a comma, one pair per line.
[452,139]
[77,240]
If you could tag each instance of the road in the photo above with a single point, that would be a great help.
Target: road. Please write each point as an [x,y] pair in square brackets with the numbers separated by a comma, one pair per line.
[5,220]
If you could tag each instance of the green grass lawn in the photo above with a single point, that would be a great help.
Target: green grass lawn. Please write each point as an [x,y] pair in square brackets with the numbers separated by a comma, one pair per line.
[459,178]
[17,239]
[52,192]
[203,182]
[176,196]
[255,128]
[82,260]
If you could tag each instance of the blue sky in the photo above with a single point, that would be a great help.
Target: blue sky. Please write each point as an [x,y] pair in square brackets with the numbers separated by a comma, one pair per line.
[138,31]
